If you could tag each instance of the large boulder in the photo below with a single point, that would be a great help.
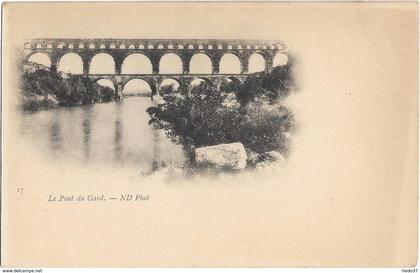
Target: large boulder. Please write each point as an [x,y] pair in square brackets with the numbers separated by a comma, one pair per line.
[226,156]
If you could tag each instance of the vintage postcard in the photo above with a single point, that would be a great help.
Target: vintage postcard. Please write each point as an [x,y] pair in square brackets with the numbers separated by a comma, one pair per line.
[210,134]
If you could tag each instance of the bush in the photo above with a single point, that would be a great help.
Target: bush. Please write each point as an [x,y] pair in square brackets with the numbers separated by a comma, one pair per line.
[270,87]
[197,119]
[230,86]
[266,127]
[206,116]
[41,82]
[72,90]
[107,94]
[168,89]
[33,103]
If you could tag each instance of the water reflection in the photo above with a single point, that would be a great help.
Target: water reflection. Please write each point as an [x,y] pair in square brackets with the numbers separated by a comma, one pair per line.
[55,133]
[86,129]
[118,146]
[111,133]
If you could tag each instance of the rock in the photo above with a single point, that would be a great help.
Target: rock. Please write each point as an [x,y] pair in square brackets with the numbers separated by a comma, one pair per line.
[230,156]
[270,160]
[253,157]
[273,156]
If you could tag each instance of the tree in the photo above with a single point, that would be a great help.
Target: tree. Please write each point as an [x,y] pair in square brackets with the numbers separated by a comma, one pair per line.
[196,119]
[106,93]
[72,90]
[41,82]
[272,86]
[207,116]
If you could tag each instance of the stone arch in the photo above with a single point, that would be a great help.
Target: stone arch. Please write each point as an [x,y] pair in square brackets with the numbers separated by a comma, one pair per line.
[256,62]
[104,79]
[207,80]
[175,83]
[125,81]
[104,95]
[201,63]
[136,63]
[144,87]
[102,63]
[170,63]
[70,63]
[171,79]
[197,80]
[234,79]
[229,64]
[40,57]
[280,59]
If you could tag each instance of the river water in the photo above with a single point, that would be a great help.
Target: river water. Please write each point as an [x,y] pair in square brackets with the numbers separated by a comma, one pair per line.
[108,133]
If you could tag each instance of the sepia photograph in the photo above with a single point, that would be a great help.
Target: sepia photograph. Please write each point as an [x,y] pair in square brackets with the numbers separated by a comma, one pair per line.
[177,107]
[209,134]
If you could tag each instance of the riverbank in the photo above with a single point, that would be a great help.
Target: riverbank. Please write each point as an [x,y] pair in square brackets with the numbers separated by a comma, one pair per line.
[45,89]
[35,103]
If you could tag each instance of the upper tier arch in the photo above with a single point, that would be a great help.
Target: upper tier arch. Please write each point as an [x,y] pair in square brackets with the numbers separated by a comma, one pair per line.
[155,49]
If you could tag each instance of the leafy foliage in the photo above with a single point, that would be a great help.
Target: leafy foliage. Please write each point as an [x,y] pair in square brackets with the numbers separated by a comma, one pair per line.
[246,112]
[266,127]
[73,90]
[168,89]
[271,87]
[41,82]
[197,119]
